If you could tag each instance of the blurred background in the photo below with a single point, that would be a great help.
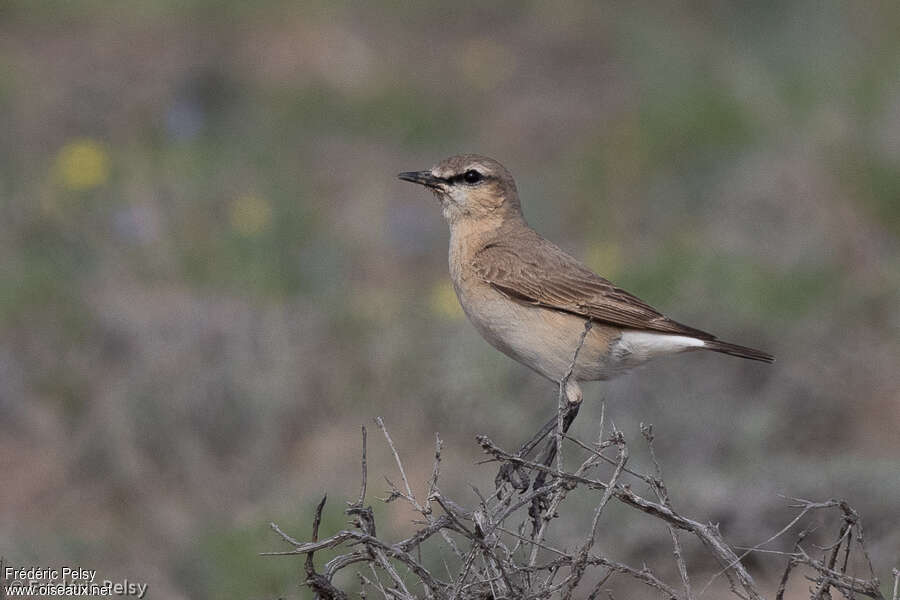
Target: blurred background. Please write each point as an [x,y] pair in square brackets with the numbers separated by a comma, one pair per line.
[210,277]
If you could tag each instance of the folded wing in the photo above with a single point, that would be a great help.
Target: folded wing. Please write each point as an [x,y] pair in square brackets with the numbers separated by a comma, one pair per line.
[538,272]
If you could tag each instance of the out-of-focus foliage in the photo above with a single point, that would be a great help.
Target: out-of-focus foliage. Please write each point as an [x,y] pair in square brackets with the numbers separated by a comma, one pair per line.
[210,276]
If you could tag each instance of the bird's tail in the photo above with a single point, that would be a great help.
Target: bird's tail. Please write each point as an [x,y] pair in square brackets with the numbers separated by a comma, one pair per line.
[741,351]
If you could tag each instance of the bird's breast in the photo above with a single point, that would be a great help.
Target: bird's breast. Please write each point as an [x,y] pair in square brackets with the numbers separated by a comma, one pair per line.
[543,339]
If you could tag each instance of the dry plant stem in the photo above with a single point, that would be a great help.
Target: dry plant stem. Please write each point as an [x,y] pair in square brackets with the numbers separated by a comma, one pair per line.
[378,582]
[806,507]
[643,575]
[556,499]
[363,482]
[822,589]
[659,488]
[848,585]
[551,507]
[425,511]
[318,583]
[826,575]
[791,563]
[409,493]
[580,564]
[708,534]
[896,594]
[860,539]
[600,456]
[479,537]
[435,471]
[377,552]
[493,560]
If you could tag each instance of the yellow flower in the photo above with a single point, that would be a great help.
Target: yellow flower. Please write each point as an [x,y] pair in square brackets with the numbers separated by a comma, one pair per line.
[82,164]
[443,302]
[249,214]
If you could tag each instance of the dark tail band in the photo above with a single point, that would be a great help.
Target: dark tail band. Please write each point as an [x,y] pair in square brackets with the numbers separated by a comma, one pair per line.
[741,351]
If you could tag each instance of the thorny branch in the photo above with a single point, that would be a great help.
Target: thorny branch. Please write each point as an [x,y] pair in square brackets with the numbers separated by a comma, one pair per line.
[485,552]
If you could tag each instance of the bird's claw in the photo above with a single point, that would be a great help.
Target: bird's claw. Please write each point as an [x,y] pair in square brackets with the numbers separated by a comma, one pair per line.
[513,474]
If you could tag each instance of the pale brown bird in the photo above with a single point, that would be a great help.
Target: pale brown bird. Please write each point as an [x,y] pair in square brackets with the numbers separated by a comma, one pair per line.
[530,300]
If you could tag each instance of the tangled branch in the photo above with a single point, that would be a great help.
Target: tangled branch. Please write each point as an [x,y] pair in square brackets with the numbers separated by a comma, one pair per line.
[487,552]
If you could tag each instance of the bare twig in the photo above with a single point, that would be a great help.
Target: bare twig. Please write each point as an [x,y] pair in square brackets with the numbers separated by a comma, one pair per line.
[493,558]
[659,488]
[791,563]
[581,559]
[387,436]
[435,471]
[364,477]
[320,584]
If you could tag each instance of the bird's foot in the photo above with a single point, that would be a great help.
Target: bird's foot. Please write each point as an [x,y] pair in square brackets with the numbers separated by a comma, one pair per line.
[515,475]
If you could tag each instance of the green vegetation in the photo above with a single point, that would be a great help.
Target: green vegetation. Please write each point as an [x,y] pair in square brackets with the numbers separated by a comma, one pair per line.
[209,276]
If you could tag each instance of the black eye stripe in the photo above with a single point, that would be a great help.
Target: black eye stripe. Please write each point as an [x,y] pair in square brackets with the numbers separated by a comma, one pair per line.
[461,177]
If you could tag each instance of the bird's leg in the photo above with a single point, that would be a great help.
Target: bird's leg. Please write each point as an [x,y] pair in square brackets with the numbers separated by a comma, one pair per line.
[515,474]
[530,445]
[569,411]
[566,413]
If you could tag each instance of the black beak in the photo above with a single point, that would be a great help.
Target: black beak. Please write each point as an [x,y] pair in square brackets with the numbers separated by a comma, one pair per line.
[422,178]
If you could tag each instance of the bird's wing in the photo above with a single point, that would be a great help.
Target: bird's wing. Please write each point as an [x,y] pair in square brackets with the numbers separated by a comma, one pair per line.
[538,272]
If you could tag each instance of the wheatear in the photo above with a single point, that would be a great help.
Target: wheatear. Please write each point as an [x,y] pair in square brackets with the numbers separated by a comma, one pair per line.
[531,300]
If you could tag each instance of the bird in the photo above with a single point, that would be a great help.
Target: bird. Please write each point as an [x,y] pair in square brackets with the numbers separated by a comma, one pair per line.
[536,303]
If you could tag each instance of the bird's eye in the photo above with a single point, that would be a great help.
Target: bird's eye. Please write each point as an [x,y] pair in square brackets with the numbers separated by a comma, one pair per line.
[472,176]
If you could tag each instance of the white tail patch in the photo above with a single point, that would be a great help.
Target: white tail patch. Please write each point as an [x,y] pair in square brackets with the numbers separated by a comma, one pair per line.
[644,345]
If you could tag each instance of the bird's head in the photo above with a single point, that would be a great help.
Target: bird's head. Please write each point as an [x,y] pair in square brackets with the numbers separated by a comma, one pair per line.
[469,187]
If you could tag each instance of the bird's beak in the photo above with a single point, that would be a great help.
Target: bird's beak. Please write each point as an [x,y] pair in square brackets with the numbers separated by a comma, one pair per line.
[422,178]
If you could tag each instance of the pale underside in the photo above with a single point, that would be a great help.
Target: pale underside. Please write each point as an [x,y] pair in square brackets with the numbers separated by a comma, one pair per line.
[546,339]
